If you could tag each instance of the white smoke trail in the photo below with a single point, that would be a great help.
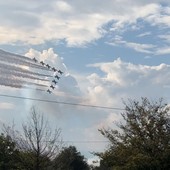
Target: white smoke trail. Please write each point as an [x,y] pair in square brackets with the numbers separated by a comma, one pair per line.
[13,74]
[16,55]
[19,86]
[10,80]
[20,74]
[5,57]
[19,69]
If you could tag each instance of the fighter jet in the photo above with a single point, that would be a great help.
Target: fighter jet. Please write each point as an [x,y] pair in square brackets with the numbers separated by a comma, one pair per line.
[52,87]
[57,77]
[55,82]
[54,69]
[59,71]
[35,60]
[49,91]
[47,65]
[41,62]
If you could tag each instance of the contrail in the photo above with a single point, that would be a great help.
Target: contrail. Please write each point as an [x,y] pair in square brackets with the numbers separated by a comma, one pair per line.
[13,74]
[13,80]
[13,60]
[16,55]
[20,57]
[19,69]
[20,74]
[19,86]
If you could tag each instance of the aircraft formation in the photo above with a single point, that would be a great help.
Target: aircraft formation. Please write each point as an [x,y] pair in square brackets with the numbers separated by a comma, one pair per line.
[19,71]
[56,76]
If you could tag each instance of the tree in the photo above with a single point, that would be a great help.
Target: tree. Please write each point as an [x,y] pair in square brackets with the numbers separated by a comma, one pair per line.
[142,141]
[70,159]
[9,154]
[37,144]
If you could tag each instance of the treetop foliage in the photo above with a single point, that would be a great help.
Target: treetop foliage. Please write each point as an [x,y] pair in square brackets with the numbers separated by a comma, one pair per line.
[143,141]
[70,159]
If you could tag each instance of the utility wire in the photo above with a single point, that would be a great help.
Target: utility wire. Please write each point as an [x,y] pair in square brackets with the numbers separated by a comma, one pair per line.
[66,103]
[88,141]
[60,102]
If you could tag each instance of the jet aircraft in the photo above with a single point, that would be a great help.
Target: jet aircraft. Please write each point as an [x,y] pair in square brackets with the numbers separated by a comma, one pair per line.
[57,77]
[49,91]
[47,65]
[59,71]
[54,81]
[54,69]
[35,60]
[41,62]
[52,87]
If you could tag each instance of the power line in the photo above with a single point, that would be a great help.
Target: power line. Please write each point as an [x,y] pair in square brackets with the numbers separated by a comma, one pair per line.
[83,141]
[60,102]
[88,141]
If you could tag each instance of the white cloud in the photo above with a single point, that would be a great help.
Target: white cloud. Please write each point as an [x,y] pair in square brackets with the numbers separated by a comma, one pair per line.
[143,48]
[165,37]
[161,18]
[48,56]
[120,76]
[63,6]
[163,51]
[76,22]
[144,34]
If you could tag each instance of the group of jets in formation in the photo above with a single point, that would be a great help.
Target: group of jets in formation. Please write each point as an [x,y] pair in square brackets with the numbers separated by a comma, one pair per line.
[54,82]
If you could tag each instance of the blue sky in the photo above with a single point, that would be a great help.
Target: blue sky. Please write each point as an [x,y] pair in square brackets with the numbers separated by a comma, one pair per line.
[109,50]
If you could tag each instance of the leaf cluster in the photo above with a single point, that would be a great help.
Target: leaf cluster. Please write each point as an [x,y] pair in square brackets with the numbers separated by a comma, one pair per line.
[143,141]
[70,159]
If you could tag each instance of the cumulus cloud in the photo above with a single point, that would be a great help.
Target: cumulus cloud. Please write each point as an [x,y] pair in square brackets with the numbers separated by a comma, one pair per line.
[76,22]
[140,80]
[47,56]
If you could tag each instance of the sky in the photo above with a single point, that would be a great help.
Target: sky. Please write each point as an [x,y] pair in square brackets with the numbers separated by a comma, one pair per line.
[109,51]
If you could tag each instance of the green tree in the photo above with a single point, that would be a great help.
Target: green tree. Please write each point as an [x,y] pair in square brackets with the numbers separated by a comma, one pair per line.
[9,154]
[37,142]
[70,159]
[142,141]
